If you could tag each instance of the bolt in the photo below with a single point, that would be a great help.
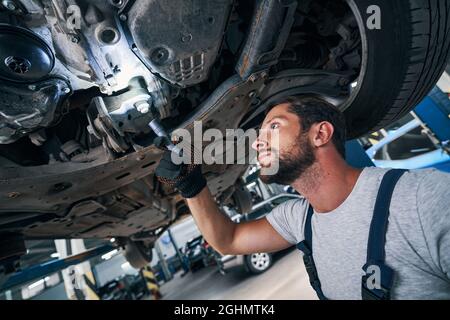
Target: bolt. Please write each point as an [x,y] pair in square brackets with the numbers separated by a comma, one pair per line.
[116,3]
[256,101]
[9,5]
[142,106]
[32,87]
[66,90]
[116,69]
[253,78]
[252,94]
[123,17]
[75,38]
[104,88]
[186,37]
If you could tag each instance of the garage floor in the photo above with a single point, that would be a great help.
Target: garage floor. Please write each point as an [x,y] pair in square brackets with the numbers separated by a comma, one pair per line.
[286,280]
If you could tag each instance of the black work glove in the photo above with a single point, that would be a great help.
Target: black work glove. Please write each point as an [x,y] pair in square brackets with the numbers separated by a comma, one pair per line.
[187,178]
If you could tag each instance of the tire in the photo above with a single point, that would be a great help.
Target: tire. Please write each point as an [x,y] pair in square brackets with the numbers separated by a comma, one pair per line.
[196,267]
[258,263]
[137,254]
[403,60]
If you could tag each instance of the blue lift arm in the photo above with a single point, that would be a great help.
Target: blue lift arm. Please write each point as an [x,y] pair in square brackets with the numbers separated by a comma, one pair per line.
[47,268]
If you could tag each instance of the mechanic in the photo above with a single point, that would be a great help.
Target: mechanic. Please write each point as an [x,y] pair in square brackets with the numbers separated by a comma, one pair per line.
[343,217]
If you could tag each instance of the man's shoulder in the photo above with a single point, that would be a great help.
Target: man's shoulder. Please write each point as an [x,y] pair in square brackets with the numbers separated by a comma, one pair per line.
[293,204]
[422,190]
[290,211]
[420,180]
[429,173]
[412,185]
[410,177]
[288,219]
[432,187]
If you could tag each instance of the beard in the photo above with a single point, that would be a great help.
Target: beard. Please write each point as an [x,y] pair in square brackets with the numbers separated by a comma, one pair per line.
[292,164]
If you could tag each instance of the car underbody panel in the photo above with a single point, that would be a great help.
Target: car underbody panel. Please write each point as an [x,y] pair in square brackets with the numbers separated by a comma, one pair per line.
[80,81]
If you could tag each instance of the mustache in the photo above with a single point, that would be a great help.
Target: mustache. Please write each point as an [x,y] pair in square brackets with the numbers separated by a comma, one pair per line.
[268,150]
[273,153]
[265,150]
[258,152]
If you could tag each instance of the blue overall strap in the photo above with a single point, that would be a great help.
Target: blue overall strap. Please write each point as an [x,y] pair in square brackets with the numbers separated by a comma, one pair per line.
[306,247]
[378,279]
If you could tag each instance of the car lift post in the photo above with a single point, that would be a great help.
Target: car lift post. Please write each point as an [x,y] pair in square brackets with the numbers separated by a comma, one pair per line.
[165,269]
[75,276]
[177,251]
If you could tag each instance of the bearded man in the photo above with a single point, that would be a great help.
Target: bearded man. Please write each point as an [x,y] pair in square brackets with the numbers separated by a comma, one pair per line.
[367,233]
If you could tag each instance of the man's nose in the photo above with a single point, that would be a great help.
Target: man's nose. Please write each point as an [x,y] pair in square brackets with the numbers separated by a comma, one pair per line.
[259,143]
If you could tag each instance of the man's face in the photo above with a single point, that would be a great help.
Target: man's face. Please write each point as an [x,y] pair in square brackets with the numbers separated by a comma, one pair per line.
[281,138]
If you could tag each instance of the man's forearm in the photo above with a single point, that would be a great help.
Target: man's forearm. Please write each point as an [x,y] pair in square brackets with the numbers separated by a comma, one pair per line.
[215,227]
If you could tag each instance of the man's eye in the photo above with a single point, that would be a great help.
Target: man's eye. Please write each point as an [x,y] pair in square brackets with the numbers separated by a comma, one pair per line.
[274,126]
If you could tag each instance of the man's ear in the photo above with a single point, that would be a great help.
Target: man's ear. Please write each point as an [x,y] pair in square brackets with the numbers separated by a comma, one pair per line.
[322,133]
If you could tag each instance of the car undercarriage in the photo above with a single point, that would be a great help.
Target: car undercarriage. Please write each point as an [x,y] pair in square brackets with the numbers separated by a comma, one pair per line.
[80,81]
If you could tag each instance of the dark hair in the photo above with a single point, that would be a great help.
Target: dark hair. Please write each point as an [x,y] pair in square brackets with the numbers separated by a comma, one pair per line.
[311,110]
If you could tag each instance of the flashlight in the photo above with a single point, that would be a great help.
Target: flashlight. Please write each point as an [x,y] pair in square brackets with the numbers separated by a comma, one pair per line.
[160,132]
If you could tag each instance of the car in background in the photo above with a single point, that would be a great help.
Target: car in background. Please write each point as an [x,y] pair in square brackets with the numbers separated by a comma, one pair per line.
[255,263]
[127,287]
[198,253]
[419,140]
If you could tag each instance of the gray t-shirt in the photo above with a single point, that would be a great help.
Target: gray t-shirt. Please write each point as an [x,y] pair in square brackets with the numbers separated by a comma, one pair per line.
[417,239]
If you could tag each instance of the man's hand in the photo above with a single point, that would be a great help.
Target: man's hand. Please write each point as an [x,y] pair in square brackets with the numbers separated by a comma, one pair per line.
[187,178]
[220,232]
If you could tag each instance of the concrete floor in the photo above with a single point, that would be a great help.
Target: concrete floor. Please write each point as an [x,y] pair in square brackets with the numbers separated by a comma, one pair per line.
[286,280]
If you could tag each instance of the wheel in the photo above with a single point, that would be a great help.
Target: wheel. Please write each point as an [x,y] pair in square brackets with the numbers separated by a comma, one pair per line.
[137,254]
[197,265]
[402,61]
[374,73]
[257,263]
